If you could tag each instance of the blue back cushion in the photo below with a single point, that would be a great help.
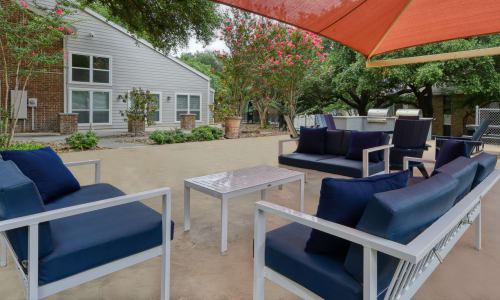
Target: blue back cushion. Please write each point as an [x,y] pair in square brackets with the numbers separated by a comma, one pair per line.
[362,140]
[450,150]
[19,197]
[486,165]
[47,171]
[400,215]
[343,201]
[334,139]
[312,140]
[464,170]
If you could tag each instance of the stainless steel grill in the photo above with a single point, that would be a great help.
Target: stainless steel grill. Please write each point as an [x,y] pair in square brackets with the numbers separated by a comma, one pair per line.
[378,115]
[409,112]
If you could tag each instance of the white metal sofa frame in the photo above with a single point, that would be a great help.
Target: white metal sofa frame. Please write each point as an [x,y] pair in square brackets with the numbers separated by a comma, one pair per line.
[34,292]
[417,260]
[366,152]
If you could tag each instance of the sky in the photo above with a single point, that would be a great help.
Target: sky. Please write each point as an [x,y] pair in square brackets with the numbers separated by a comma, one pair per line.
[195,46]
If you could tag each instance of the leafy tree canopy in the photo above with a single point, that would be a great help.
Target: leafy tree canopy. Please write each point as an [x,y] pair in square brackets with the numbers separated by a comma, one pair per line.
[166,24]
[205,62]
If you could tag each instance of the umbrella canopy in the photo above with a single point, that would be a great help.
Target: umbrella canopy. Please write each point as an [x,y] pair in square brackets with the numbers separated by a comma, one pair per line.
[373,27]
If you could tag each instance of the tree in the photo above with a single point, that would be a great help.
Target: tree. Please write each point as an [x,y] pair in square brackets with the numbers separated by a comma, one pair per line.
[166,24]
[238,34]
[207,63]
[345,79]
[26,41]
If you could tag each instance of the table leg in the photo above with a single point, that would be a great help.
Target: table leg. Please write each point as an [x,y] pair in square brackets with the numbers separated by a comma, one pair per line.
[223,242]
[3,251]
[302,194]
[263,195]
[187,208]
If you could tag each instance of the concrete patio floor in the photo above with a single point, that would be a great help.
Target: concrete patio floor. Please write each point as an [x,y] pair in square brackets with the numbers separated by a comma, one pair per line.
[199,271]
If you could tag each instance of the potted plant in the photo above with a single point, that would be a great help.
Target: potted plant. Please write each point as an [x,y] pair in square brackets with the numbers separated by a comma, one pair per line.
[141,105]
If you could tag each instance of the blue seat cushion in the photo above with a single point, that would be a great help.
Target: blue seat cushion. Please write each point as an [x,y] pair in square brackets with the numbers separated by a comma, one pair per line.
[302,160]
[343,201]
[363,140]
[85,241]
[19,197]
[400,215]
[346,167]
[414,180]
[464,170]
[47,171]
[312,140]
[334,139]
[450,150]
[486,165]
[323,275]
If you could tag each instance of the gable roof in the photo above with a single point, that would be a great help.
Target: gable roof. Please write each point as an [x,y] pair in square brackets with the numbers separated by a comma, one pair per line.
[144,42]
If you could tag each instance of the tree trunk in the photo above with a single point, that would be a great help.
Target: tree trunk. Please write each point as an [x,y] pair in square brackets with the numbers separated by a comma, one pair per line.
[424,101]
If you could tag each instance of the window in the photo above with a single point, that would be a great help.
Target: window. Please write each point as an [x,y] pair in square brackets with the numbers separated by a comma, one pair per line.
[90,69]
[156,115]
[93,107]
[187,104]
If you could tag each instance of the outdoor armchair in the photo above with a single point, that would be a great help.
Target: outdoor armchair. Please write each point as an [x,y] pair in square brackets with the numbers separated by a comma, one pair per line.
[473,142]
[80,236]
[409,139]
[391,268]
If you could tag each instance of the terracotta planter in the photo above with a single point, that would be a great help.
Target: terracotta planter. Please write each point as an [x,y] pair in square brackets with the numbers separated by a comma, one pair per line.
[232,127]
[136,126]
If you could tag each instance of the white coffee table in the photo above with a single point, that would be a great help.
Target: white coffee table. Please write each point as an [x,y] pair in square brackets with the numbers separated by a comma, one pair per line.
[228,185]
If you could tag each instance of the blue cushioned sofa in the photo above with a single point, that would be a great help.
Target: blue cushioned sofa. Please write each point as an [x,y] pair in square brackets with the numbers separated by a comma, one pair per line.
[334,159]
[80,236]
[400,240]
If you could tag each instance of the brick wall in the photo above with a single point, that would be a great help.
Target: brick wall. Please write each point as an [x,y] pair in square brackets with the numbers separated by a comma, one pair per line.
[457,116]
[48,88]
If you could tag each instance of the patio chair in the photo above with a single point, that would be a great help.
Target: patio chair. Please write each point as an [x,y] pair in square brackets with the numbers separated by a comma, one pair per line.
[409,139]
[325,120]
[474,142]
[81,236]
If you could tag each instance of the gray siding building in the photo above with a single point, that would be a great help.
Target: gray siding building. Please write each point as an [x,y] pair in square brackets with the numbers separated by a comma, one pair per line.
[105,61]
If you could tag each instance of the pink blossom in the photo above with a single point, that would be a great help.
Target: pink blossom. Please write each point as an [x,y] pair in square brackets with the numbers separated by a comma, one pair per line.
[229,28]
[291,63]
[69,31]
[34,53]
[60,28]
[59,11]
[276,62]
[24,4]
[66,55]
[297,56]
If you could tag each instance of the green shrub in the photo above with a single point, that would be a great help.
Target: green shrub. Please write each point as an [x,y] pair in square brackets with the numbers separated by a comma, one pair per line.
[83,141]
[203,133]
[23,146]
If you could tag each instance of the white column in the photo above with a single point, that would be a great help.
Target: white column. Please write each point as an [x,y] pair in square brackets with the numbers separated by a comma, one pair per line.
[187,208]
[3,252]
[33,262]
[478,227]
[165,258]
[224,221]
[259,254]
[369,274]
[302,193]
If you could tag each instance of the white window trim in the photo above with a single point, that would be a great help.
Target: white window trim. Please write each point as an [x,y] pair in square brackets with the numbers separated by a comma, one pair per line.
[189,102]
[91,92]
[160,107]
[70,63]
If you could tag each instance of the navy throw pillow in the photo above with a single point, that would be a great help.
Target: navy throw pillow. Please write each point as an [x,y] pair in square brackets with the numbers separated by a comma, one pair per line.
[486,165]
[450,150]
[343,201]
[47,171]
[312,140]
[363,140]
[334,139]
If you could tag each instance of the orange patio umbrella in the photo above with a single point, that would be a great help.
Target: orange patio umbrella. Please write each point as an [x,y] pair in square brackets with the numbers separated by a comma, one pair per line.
[374,27]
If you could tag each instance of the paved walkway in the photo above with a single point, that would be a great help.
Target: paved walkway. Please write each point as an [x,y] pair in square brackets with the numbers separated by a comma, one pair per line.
[199,271]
